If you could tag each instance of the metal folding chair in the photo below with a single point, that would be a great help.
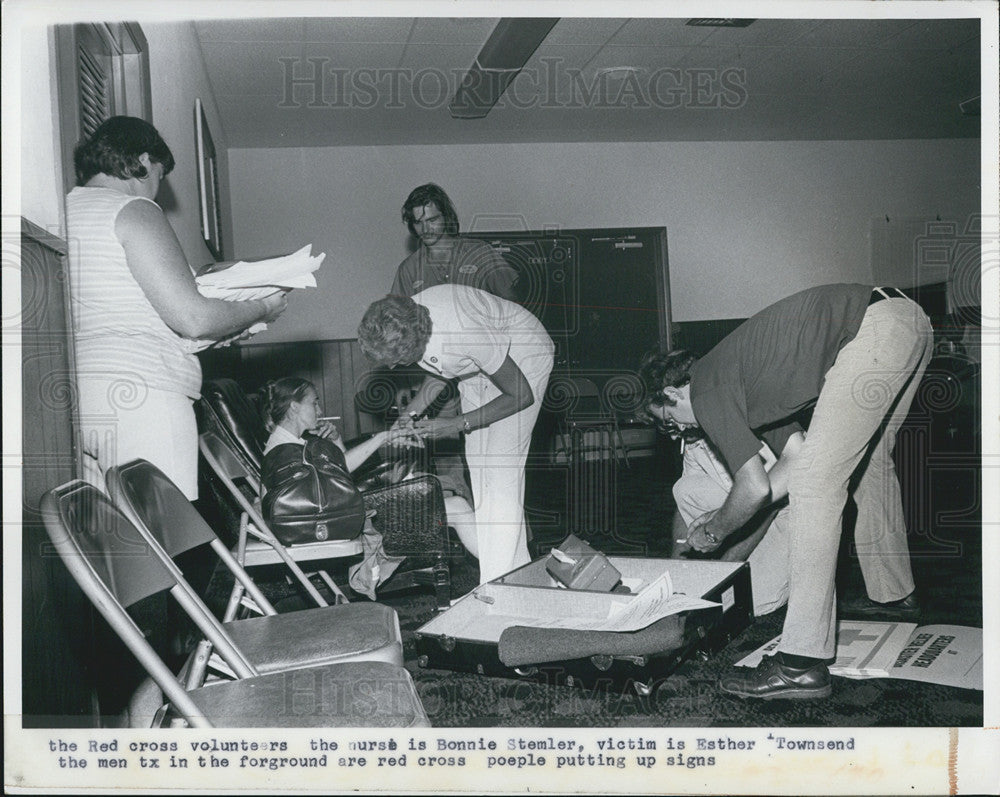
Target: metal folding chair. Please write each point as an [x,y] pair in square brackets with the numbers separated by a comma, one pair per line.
[411,514]
[264,548]
[116,567]
[272,642]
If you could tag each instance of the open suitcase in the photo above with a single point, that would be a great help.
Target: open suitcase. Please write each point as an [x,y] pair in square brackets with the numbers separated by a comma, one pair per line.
[467,636]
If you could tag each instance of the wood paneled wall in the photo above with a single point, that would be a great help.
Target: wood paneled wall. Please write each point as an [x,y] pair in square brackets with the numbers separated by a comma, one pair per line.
[57,619]
[336,367]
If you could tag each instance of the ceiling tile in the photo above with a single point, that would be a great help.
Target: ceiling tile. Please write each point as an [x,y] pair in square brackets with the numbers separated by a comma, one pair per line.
[236,68]
[354,30]
[583,30]
[549,58]
[761,33]
[853,32]
[960,64]
[446,58]
[643,57]
[798,69]
[936,34]
[660,32]
[250,30]
[348,55]
[712,57]
[452,30]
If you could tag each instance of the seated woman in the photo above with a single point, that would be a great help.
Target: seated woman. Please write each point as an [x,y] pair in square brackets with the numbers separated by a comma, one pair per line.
[292,408]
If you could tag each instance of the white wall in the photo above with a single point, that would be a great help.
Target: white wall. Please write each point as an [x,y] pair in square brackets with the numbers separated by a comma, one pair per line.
[177,76]
[747,222]
[41,178]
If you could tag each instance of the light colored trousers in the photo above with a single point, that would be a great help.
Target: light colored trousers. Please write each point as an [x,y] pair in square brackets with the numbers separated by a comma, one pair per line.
[496,456]
[120,421]
[866,396]
[703,487]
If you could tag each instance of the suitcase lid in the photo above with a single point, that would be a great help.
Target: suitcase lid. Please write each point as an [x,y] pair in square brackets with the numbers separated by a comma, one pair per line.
[518,596]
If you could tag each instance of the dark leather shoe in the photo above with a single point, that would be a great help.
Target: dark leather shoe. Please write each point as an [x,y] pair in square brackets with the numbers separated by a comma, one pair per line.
[906,610]
[772,680]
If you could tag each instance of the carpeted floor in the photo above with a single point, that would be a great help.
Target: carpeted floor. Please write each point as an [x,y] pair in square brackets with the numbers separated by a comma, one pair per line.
[947,559]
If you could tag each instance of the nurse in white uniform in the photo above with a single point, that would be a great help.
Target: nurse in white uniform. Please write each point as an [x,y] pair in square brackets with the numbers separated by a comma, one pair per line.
[502,356]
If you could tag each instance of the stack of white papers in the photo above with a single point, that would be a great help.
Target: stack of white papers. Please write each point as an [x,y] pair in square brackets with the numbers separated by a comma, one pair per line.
[244,281]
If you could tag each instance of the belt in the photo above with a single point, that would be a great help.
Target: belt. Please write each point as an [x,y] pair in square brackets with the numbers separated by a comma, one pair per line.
[878,294]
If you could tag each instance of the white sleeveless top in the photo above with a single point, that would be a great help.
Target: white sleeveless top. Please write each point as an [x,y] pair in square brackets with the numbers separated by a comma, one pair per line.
[118,333]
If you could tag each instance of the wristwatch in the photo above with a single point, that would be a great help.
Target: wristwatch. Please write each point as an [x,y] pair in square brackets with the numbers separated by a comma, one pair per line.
[466,426]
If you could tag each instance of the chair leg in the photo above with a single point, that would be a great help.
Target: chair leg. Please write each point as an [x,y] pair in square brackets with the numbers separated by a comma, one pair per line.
[624,448]
[442,584]
[235,599]
[338,594]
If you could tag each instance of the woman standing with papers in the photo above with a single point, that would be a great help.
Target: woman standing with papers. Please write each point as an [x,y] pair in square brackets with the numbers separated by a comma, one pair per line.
[135,306]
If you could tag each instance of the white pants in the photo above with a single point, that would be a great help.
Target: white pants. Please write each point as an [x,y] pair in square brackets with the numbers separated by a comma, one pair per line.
[496,456]
[866,396]
[703,487]
[120,421]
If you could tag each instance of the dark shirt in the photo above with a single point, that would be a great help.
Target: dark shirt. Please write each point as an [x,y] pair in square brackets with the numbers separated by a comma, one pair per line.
[472,263]
[771,367]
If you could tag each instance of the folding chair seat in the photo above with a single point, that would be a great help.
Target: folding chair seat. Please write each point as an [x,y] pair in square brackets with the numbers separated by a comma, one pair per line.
[273,642]
[116,567]
[257,544]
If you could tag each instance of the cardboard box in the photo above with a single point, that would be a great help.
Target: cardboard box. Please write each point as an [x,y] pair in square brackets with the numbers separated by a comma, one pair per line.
[578,566]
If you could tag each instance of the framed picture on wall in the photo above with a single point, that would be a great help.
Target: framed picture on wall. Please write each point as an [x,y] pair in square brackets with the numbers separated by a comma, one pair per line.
[208,183]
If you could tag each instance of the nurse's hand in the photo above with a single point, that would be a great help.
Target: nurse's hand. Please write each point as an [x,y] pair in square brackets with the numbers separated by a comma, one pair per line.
[435,428]
[403,436]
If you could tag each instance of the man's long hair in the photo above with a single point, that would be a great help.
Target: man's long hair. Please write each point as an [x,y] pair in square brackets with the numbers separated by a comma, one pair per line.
[424,195]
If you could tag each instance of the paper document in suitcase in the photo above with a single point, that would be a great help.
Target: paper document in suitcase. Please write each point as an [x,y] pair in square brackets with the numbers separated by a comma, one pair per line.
[656,601]
[950,655]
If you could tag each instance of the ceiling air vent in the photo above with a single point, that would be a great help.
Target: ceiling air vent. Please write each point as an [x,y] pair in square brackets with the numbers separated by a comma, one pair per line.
[719,22]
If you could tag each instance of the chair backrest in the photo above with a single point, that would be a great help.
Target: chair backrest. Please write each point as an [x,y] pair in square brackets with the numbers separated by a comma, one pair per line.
[573,396]
[89,531]
[227,464]
[165,516]
[227,410]
[588,397]
[148,496]
[115,567]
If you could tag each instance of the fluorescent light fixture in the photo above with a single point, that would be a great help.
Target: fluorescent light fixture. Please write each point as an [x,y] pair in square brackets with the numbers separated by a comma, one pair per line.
[503,56]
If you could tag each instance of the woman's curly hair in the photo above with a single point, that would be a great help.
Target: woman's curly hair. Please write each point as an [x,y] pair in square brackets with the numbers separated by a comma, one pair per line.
[115,147]
[394,331]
